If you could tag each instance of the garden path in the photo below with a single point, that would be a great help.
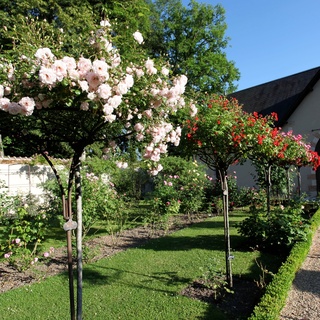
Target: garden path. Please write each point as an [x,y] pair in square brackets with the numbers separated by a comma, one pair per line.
[303,301]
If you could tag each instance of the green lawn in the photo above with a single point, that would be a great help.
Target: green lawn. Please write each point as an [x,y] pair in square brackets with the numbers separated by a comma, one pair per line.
[142,283]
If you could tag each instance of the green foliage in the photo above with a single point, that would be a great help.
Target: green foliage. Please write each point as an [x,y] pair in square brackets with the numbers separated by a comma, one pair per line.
[101,202]
[131,182]
[274,299]
[281,179]
[181,181]
[280,229]
[23,228]
[6,202]
[214,278]
[193,38]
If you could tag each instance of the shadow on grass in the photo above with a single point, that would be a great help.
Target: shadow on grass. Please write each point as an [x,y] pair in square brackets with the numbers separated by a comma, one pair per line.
[183,243]
[109,276]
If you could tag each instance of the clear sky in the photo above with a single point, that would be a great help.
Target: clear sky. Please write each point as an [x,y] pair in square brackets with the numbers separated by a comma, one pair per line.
[271,39]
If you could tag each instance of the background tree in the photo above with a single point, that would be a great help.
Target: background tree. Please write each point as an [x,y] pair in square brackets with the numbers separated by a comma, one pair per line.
[193,38]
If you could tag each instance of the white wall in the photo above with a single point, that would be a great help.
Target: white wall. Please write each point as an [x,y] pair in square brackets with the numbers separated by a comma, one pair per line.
[24,178]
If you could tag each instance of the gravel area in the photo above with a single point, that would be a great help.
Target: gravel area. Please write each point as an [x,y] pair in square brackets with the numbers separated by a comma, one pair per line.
[303,302]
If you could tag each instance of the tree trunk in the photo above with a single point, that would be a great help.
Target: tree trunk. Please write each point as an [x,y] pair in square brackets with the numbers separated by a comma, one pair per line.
[288,182]
[268,181]
[225,196]
[68,226]
[299,181]
[79,241]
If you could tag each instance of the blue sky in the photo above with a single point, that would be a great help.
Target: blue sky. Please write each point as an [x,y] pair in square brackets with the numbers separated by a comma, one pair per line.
[271,39]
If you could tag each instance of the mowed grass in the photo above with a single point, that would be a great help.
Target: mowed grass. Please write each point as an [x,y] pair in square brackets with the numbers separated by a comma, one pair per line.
[145,282]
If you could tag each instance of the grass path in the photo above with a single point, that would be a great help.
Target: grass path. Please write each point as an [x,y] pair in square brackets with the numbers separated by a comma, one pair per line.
[141,283]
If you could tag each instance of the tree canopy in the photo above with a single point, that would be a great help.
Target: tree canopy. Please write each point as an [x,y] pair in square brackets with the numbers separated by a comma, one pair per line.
[193,38]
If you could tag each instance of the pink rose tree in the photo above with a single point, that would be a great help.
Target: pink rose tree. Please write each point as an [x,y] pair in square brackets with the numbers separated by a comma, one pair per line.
[51,99]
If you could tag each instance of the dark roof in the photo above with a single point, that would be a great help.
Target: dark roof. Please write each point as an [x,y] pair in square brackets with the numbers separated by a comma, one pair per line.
[282,96]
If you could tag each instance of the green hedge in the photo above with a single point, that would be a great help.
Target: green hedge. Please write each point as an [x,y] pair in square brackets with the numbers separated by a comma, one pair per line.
[274,299]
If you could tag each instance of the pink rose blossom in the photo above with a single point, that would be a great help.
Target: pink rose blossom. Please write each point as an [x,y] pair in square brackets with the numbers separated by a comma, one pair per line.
[150,67]
[27,106]
[84,85]
[165,71]
[156,170]
[60,68]
[44,54]
[148,113]
[139,127]
[46,254]
[100,68]
[139,72]
[93,80]
[84,66]
[47,76]
[116,60]
[140,137]
[121,88]
[104,91]
[107,109]
[14,108]
[115,101]
[70,63]
[7,255]
[91,95]
[105,23]
[84,106]
[4,104]
[138,37]
[110,118]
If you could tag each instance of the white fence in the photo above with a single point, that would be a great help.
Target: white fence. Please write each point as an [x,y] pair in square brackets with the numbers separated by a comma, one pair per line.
[24,179]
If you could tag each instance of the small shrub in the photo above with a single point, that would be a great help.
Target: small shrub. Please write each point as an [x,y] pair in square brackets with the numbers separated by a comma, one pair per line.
[181,183]
[281,228]
[23,229]
[213,278]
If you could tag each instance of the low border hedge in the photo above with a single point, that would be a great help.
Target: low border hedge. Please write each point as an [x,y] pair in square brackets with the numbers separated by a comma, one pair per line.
[274,299]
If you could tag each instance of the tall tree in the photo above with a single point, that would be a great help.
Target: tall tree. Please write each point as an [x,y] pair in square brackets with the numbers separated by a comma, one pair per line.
[193,38]
[75,19]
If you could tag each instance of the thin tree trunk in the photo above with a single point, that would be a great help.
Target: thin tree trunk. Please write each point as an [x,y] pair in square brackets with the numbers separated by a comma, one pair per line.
[79,241]
[268,180]
[299,181]
[68,227]
[228,256]
[288,182]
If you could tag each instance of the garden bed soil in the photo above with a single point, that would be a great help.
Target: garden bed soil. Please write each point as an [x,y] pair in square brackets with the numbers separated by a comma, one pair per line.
[237,305]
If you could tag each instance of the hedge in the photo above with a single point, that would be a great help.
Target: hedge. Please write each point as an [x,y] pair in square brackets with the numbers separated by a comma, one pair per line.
[274,299]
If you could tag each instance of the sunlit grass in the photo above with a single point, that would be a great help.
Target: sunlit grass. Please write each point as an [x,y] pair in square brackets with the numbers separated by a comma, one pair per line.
[143,283]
